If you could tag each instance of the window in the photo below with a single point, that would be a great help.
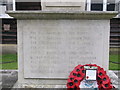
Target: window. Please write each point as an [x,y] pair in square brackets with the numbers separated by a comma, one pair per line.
[9,31]
[102,5]
[118,6]
[28,5]
[96,7]
[111,7]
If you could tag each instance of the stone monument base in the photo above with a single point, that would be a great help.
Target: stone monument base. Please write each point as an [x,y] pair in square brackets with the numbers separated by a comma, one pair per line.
[111,74]
[19,85]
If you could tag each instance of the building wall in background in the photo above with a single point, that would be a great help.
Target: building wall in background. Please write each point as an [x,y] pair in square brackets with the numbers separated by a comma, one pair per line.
[9,31]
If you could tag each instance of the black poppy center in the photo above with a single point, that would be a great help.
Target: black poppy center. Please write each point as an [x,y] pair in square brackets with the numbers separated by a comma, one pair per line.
[78,75]
[98,78]
[106,85]
[78,70]
[74,74]
[71,78]
[104,79]
[75,81]
[70,83]
[100,74]
[83,71]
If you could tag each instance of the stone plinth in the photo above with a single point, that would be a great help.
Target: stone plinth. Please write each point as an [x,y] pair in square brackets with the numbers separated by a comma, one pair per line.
[51,44]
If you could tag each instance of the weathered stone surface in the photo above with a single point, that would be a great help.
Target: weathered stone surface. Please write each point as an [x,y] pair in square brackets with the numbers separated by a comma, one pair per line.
[51,44]
[67,15]
[25,85]
[53,48]
[10,77]
[114,79]
[62,5]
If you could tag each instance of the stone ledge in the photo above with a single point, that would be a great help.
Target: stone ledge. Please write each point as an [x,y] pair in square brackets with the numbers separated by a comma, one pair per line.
[111,74]
[21,85]
[54,15]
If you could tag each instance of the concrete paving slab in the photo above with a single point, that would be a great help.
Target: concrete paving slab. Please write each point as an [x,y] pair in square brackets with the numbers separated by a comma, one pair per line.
[9,78]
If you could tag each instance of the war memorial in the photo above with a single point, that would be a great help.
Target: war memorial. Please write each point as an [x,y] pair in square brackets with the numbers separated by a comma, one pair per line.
[51,42]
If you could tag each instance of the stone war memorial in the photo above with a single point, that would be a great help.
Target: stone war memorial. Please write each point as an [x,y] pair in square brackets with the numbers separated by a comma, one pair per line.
[51,42]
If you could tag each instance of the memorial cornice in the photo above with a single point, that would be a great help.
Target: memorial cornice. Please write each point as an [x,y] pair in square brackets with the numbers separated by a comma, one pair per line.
[54,15]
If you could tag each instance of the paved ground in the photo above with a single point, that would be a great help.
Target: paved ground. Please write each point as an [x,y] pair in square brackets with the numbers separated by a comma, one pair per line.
[9,78]
[117,73]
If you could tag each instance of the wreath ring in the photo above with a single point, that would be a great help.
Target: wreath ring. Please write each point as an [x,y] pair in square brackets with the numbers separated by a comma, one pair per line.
[78,74]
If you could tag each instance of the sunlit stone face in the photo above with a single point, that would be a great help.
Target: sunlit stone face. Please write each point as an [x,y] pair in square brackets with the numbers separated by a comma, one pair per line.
[52,48]
[60,5]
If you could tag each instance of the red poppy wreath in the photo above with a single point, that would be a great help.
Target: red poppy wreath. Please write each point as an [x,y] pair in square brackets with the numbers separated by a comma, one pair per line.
[78,75]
